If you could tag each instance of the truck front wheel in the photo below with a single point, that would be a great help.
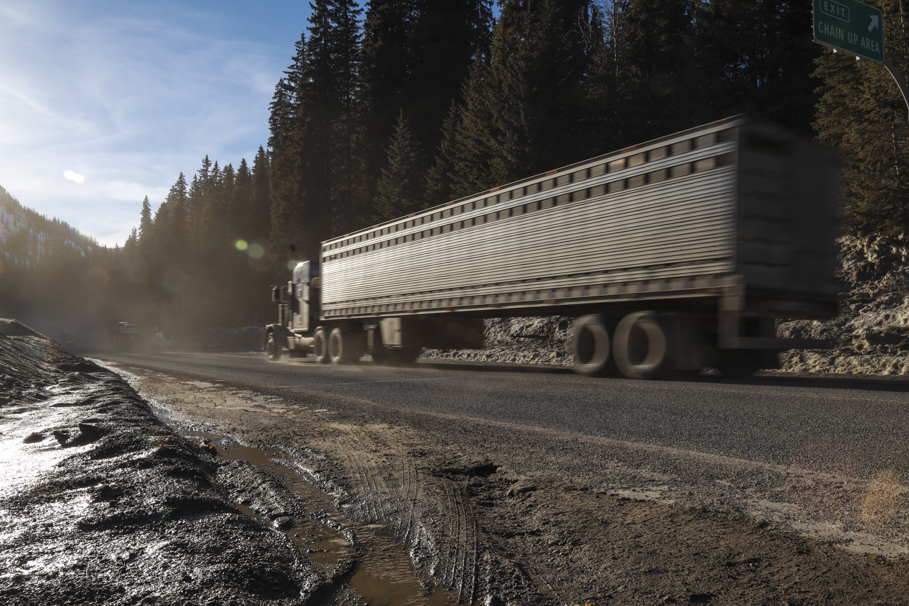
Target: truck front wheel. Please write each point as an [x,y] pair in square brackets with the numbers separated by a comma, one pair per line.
[640,346]
[272,349]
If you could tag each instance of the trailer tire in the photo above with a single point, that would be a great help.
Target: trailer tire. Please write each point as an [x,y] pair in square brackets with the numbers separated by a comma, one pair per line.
[272,349]
[738,363]
[592,346]
[341,349]
[320,346]
[640,346]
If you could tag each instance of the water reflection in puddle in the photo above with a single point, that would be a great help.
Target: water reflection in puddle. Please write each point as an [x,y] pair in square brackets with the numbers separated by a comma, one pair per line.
[384,574]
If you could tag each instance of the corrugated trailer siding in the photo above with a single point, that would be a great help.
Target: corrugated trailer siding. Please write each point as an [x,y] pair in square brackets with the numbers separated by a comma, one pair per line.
[677,228]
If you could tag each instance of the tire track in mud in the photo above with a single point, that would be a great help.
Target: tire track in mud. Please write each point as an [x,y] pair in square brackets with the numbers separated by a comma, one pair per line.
[411,489]
[463,525]
[392,490]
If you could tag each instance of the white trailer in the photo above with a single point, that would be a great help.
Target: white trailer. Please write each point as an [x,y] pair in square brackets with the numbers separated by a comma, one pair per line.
[675,255]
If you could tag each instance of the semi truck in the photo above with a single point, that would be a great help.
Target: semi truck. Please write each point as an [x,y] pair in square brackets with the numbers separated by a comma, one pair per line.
[674,255]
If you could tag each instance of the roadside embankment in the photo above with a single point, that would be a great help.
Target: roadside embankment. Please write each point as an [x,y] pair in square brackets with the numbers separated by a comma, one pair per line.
[101,503]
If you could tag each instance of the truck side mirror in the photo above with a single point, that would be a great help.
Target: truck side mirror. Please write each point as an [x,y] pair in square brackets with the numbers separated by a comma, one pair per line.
[276,294]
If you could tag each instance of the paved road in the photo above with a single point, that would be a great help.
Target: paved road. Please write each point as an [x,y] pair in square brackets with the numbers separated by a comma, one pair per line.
[765,419]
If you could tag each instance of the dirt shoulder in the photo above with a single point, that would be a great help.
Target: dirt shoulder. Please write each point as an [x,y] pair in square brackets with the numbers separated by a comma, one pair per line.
[509,515]
[101,503]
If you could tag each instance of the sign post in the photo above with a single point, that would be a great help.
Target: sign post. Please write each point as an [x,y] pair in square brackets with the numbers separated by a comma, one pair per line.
[854,27]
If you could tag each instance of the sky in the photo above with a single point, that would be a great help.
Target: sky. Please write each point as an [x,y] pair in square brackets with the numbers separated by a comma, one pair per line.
[105,102]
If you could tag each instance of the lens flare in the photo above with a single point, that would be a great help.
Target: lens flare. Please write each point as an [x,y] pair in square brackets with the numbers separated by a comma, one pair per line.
[241,245]
[255,251]
[71,175]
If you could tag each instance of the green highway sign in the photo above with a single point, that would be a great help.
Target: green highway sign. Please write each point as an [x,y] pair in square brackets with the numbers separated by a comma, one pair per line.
[850,26]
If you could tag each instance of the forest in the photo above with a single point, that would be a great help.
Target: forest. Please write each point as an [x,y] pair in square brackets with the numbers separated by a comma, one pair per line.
[399,105]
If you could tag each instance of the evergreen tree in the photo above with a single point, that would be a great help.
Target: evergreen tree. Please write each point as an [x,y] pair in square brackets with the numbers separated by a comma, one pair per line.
[401,190]
[522,113]
[448,34]
[260,217]
[416,55]
[862,112]
[145,228]
[754,56]
[387,68]
[439,179]
[475,147]
[656,78]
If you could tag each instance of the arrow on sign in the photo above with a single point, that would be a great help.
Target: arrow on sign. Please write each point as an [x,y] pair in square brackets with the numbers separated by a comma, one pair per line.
[875,22]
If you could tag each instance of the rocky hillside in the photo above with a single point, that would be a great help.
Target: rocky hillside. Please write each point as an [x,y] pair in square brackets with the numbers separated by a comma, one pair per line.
[26,237]
[871,332]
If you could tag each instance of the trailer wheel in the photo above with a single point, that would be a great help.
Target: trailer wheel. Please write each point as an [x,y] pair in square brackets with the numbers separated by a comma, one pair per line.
[272,350]
[738,363]
[341,349]
[640,346]
[592,346]
[320,346]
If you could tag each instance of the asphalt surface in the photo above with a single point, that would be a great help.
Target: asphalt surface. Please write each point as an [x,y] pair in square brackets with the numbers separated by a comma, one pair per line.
[765,419]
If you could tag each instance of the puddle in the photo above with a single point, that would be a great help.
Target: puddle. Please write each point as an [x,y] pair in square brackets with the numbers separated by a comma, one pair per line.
[384,573]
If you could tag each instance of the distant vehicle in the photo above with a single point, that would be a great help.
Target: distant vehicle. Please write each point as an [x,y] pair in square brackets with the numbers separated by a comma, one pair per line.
[124,335]
[676,254]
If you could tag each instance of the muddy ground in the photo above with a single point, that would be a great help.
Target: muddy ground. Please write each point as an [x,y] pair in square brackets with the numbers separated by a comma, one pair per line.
[102,502]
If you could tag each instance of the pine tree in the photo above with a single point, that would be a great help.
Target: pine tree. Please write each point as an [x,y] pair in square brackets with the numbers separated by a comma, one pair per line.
[448,34]
[475,147]
[862,112]
[656,76]
[145,228]
[260,216]
[439,179]
[387,69]
[522,113]
[754,56]
[401,190]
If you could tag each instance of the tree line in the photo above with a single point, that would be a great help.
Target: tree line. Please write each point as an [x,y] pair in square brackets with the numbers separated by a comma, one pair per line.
[404,104]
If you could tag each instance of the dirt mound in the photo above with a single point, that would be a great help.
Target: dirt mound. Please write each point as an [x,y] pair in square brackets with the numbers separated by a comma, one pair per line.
[103,504]
[14,328]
